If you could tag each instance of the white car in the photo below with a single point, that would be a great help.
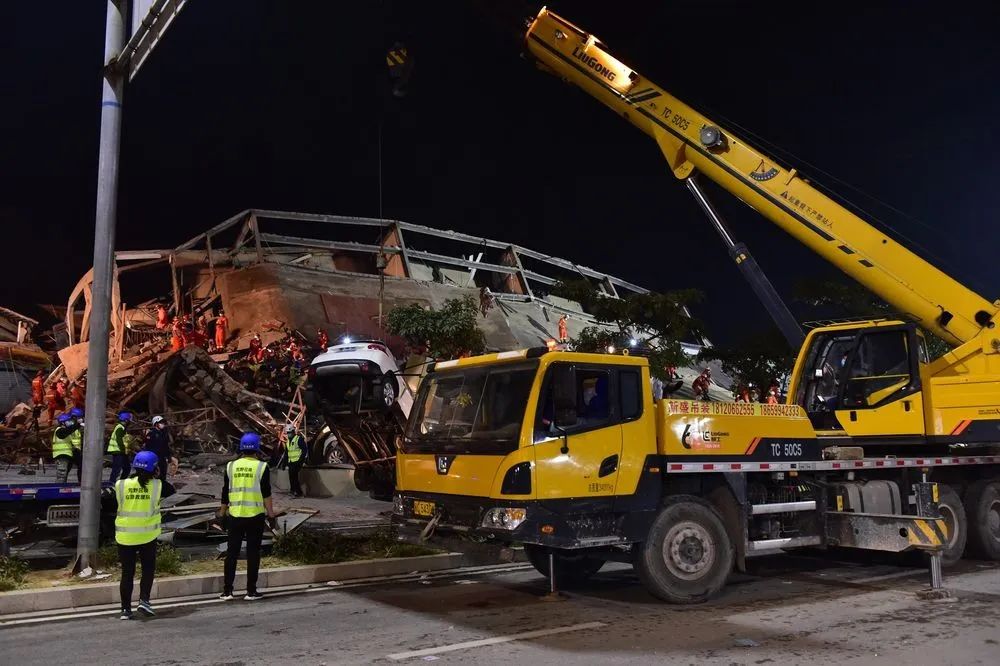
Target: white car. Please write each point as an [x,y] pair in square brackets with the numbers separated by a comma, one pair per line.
[359,376]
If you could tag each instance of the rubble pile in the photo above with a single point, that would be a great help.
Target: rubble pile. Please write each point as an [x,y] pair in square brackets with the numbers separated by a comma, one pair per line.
[252,383]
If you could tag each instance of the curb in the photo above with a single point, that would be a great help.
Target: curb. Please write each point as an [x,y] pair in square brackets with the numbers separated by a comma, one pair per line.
[82,596]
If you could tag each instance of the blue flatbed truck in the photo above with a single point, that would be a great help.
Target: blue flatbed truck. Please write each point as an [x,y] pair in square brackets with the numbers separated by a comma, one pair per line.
[26,506]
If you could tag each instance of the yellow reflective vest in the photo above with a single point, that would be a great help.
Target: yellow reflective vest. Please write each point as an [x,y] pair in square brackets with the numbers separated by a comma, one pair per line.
[76,439]
[138,519]
[113,442]
[245,499]
[294,449]
[62,446]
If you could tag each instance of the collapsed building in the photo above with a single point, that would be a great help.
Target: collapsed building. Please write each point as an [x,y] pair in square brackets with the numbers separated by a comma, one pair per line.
[283,277]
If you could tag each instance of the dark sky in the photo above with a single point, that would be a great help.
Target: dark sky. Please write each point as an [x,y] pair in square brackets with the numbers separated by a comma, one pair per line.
[252,103]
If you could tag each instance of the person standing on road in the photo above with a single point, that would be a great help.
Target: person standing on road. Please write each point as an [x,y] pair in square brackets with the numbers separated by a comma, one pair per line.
[295,448]
[158,441]
[65,434]
[77,415]
[118,449]
[136,527]
[246,498]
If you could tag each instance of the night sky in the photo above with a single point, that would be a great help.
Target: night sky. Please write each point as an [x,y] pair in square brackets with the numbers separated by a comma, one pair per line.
[277,105]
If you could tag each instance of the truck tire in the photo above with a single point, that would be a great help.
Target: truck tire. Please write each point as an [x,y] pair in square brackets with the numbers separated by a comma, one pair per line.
[982,507]
[688,554]
[572,570]
[363,478]
[950,506]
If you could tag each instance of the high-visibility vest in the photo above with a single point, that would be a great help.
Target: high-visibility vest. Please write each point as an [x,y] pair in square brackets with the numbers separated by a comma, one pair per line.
[63,446]
[113,442]
[76,439]
[244,475]
[138,519]
[294,449]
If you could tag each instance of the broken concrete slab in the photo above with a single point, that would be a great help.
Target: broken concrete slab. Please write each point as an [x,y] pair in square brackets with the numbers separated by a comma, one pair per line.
[74,360]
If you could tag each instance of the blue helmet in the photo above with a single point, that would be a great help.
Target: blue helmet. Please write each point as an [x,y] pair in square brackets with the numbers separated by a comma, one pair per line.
[63,418]
[146,461]
[76,413]
[124,416]
[250,441]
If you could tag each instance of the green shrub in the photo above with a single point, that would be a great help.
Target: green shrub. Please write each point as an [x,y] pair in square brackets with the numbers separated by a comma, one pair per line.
[168,561]
[317,547]
[12,573]
[107,556]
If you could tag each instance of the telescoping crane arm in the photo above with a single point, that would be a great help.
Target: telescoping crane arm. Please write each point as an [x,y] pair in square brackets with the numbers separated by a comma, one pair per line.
[693,143]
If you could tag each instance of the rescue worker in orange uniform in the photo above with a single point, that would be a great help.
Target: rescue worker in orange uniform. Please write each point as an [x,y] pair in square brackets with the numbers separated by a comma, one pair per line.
[563,331]
[772,395]
[744,395]
[701,383]
[77,394]
[221,330]
[256,348]
[322,340]
[176,341]
[162,318]
[37,395]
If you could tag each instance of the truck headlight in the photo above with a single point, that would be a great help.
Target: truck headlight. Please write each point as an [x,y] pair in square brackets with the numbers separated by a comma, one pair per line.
[504,518]
[397,505]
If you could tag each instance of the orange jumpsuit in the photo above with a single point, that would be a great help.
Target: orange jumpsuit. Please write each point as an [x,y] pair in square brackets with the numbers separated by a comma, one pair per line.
[563,332]
[221,331]
[162,320]
[38,391]
[323,340]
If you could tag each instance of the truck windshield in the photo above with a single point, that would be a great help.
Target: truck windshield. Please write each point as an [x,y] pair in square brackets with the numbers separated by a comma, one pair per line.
[474,410]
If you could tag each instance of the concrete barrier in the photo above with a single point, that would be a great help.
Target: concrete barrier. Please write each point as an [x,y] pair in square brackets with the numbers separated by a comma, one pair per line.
[99,594]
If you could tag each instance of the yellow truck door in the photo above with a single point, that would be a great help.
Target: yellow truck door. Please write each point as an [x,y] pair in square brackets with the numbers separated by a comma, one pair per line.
[578,433]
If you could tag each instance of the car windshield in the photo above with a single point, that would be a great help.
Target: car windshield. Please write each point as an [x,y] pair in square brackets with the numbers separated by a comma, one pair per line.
[471,410]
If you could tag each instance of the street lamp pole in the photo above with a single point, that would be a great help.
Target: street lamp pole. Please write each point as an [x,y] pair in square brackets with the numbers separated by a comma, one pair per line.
[100,318]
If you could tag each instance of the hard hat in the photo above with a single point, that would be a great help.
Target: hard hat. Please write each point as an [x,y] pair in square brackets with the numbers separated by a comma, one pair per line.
[289,427]
[250,441]
[146,461]
[76,413]
[157,419]
[124,416]
[63,418]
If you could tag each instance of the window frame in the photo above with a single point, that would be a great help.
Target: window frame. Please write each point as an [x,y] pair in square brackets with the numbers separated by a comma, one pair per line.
[539,434]
[912,359]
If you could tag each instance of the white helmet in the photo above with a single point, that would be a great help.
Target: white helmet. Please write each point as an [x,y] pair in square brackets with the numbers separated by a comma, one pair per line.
[157,419]
[289,428]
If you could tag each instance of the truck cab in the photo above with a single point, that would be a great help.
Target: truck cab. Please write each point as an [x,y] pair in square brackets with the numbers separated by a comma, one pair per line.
[529,446]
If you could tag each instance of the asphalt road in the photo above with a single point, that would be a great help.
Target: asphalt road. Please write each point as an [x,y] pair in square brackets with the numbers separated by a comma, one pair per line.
[791,610]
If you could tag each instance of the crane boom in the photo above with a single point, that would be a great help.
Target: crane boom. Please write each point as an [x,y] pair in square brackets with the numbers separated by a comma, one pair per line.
[693,143]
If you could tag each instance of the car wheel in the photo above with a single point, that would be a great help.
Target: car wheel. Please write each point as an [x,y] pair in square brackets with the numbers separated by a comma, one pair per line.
[389,390]
[335,454]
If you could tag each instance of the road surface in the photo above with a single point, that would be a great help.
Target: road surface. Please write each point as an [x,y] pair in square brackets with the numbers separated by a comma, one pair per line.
[789,610]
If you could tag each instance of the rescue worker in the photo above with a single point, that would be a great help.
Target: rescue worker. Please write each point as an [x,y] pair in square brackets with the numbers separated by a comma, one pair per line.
[136,527]
[744,394]
[772,394]
[118,449]
[63,438]
[701,383]
[38,395]
[158,441]
[221,330]
[295,448]
[77,415]
[246,499]
[322,340]
[256,347]
[563,329]
[176,341]
[162,318]
[76,394]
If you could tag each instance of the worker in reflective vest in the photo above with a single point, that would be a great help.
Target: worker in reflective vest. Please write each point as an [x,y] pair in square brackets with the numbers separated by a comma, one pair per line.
[77,440]
[136,527]
[117,448]
[295,448]
[246,499]
[67,431]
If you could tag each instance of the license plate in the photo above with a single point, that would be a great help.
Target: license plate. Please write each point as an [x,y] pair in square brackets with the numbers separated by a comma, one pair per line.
[423,508]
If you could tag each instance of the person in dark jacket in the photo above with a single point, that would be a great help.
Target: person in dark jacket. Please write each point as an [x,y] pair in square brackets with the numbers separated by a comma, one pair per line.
[158,441]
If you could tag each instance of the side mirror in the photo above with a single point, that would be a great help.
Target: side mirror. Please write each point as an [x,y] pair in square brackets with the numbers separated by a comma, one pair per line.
[564,395]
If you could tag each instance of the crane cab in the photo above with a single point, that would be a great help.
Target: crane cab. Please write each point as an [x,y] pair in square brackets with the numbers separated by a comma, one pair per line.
[862,379]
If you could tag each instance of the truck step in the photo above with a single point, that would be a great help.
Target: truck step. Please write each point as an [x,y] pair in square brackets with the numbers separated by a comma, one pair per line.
[790,542]
[782,507]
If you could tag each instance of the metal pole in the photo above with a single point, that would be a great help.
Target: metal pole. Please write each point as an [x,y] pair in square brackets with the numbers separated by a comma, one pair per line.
[100,319]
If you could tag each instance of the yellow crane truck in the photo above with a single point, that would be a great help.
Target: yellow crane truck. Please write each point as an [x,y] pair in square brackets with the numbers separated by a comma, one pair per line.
[878,447]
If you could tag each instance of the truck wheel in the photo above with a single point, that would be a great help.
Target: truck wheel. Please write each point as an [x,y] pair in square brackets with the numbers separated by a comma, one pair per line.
[363,478]
[982,505]
[571,570]
[688,554]
[950,506]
